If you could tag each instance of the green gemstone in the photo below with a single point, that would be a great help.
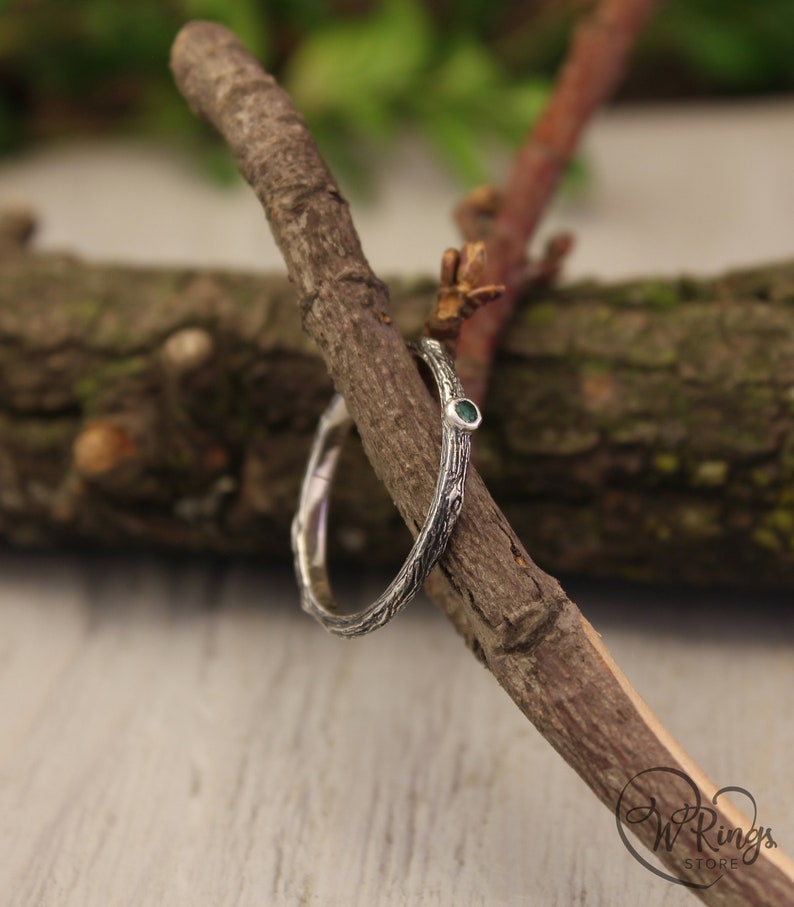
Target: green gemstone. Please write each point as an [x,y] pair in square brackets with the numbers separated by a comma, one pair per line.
[467,411]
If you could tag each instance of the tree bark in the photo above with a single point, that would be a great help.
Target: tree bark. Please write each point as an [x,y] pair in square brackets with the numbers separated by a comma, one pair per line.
[642,430]
[513,616]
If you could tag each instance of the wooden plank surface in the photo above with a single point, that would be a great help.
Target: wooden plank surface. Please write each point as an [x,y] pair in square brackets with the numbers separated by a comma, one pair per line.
[180,733]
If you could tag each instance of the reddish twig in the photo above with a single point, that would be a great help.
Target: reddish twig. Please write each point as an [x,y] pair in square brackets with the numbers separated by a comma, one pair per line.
[594,65]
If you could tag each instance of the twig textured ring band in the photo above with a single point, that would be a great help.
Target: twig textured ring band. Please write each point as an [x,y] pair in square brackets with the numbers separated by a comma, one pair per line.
[459,417]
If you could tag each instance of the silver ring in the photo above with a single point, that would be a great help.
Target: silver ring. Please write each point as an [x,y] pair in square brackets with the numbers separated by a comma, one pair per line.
[459,417]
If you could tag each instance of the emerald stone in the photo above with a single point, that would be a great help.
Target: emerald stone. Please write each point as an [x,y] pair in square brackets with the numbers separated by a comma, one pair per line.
[467,411]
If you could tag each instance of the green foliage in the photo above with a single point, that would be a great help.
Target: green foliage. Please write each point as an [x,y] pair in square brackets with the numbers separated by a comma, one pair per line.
[357,81]
[465,75]
[72,65]
[360,65]
[82,63]
[728,45]
[470,98]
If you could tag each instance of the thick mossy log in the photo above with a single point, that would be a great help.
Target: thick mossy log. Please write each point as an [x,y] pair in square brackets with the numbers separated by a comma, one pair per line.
[642,430]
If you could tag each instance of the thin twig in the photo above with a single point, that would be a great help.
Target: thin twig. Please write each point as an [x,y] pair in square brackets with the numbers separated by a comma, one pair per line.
[515,617]
[594,65]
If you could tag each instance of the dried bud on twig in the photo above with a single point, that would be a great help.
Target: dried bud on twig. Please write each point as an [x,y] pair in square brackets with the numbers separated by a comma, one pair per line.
[545,271]
[476,213]
[460,293]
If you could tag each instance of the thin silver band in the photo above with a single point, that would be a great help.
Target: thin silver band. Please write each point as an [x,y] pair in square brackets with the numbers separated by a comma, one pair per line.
[459,417]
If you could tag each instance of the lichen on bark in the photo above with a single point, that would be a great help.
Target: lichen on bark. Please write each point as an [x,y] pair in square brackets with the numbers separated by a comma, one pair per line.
[622,437]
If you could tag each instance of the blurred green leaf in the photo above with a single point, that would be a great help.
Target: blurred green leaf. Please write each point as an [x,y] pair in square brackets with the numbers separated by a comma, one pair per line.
[468,102]
[124,34]
[460,145]
[465,71]
[725,53]
[352,65]
[730,45]
[349,156]
[10,137]
[220,164]
[163,112]
[516,108]
[306,15]
[467,74]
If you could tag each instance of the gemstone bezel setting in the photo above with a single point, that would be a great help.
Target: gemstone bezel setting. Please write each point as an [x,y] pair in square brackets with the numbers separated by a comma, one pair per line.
[463,413]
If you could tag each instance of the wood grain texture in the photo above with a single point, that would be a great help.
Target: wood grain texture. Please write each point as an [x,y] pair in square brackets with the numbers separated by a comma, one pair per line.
[180,733]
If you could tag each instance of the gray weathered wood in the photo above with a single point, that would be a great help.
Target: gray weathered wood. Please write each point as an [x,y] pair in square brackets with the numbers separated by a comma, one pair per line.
[178,733]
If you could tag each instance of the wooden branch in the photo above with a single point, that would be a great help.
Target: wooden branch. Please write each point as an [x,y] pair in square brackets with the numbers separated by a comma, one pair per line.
[515,617]
[638,430]
[508,218]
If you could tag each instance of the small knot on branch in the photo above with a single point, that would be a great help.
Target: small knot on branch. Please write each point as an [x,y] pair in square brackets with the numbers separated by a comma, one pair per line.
[106,453]
[476,213]
[460,294]
[187,350]
[543,272]
[17,227]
